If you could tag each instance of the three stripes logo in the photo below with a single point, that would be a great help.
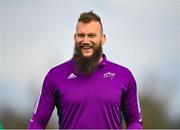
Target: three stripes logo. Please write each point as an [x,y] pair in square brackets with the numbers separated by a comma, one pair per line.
[71,76]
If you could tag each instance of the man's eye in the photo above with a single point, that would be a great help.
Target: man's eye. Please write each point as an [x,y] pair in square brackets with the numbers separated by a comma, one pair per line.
[91,35]
[81,35]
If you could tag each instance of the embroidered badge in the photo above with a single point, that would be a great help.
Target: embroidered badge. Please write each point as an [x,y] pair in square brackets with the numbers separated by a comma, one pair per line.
[109,75]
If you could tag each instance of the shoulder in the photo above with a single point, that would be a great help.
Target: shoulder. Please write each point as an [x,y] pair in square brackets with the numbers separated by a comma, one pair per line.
[120,71]
[118,68]
[57,75]
[64,66]
[61,70]
[123,74]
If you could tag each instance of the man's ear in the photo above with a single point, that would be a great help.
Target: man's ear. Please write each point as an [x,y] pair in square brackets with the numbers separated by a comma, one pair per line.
[103,39]
[74,36]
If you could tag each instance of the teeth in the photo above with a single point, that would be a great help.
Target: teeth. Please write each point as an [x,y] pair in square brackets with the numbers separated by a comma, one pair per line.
[86,47]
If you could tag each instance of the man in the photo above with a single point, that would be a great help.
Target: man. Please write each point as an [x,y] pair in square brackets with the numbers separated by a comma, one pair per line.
[88,91]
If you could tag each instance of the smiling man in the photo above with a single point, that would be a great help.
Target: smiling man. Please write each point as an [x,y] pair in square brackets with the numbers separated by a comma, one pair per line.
[89,39]
[88,91]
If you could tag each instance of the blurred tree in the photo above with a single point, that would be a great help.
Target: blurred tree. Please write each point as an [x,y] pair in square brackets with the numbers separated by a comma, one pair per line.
[152,112]
[1,126]
[12,120]
[153,115]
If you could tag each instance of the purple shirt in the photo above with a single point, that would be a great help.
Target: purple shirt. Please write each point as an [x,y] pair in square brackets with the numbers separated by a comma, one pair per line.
[95,101]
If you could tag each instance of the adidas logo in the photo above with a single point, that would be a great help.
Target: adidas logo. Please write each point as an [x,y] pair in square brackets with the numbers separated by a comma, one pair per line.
[71,76]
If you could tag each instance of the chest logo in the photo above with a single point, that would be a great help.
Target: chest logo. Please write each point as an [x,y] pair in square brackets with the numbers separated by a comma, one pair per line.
[71,76]
[109,75]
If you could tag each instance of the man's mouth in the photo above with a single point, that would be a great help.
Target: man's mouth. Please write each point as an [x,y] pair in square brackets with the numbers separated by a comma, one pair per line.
[86,47]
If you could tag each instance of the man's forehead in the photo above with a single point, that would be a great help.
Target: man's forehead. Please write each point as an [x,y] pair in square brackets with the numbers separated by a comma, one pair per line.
[93,25]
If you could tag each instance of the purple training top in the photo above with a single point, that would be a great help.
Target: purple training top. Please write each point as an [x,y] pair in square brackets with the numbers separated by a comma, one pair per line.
[95,101]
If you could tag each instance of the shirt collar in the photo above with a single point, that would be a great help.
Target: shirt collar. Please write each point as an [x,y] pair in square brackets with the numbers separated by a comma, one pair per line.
[104,61]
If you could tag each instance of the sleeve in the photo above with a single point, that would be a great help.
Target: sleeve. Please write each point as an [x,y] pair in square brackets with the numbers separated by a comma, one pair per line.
[44,106]
[130,106]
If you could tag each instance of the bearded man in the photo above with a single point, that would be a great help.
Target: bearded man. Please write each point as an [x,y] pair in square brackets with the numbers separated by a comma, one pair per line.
[88,91]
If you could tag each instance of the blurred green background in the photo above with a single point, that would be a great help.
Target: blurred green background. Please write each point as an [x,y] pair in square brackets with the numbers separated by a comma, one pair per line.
[154,117]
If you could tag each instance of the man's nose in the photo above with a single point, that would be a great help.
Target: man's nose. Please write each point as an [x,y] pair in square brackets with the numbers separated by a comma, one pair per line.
[85,39]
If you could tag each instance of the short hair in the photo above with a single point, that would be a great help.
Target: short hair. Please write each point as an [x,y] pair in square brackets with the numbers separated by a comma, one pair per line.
[87,17]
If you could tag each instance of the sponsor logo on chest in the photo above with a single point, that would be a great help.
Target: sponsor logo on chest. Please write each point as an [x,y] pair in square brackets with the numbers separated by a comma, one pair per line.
[109,75]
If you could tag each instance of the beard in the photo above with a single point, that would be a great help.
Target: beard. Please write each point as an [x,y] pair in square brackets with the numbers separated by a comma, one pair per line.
[86,65]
